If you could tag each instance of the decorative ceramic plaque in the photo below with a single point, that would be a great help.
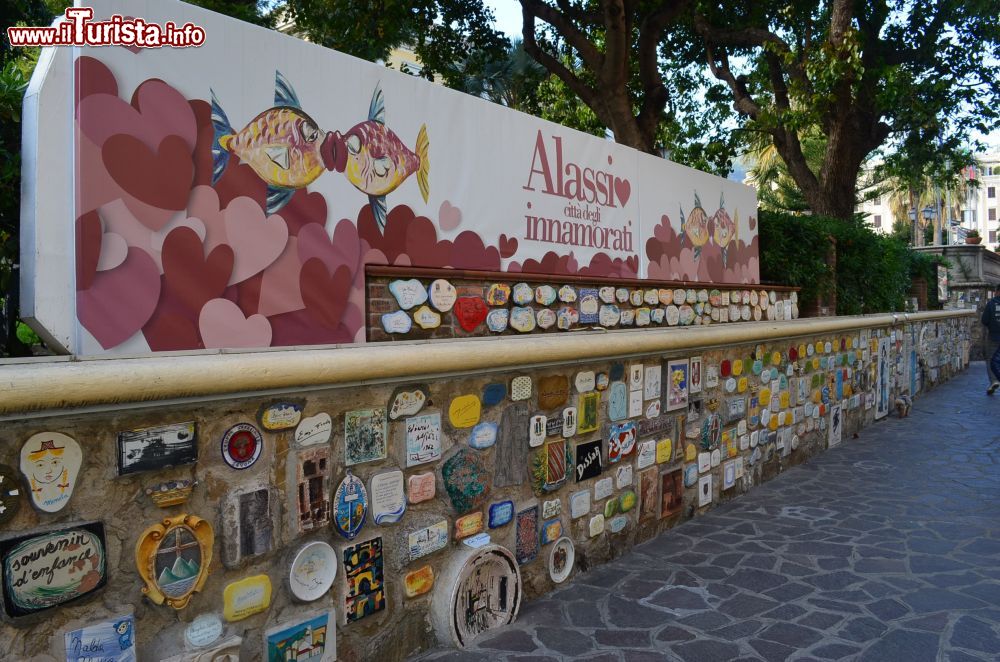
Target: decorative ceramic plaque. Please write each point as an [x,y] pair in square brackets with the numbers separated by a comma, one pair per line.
[561,558]
[588,460]
[365,582]
[428,540]
[423,439]
[388,497]
[497,320]
[522,294]
[427,318]
[112,640]
[486,596]
[50,461]
[498,294]
[522,319]
[527,545]
[483,435]
[173,558]
[420,487]
[501,513]
[350,506]
[155,448]
[312,571]
[364,435]
[419,581]
[397,322]
[470,312]
[314,430]
[313,637]
[408,293]
[442,295]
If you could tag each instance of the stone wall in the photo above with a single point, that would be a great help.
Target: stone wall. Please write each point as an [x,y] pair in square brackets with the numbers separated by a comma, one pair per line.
[762,407]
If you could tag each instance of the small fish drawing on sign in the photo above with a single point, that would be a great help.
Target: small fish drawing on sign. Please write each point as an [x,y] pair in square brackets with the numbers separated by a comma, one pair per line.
[283,145]
[376,161]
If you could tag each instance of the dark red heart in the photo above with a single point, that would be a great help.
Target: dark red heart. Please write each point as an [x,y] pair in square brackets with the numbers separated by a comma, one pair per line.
[192,277]
[623,191]
[161,179]
[88,249]
[470,312]
[725,368]
[508,246]
[325,296]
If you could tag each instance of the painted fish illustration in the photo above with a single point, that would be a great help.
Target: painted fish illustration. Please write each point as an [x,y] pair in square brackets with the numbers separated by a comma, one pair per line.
[695,227]
[283,145]
[376,161]
[724,228]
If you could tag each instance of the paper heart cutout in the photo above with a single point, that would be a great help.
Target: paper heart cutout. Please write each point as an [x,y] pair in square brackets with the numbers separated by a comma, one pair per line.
[161,179]
[344,249]
[192,277]
[119,302]
[449,216]
[304,208]
[324,296]
[256,240]
[623,191]
[223,324]
[507,246]
[91,76]
[470,312]
[169,332]
[114,250]
[88,249]
[157,238]
[279,285]
[156,112]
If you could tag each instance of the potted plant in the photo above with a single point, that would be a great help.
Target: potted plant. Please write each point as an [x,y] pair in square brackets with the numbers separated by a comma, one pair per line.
[972,237]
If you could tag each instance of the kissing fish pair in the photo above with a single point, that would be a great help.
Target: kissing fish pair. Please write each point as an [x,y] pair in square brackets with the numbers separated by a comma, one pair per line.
[287,149]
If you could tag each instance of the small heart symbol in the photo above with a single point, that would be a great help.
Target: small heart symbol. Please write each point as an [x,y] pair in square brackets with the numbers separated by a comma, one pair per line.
[325,297]
[508,246]
[753,222]
[190,276]
[223,324]
[471,312]
[623,190]
[449,216]
[161,178]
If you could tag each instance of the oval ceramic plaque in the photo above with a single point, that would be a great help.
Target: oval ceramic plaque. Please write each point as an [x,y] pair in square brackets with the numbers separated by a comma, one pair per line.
[496,320]
[203,630]
[314,430]
[241,446]
[609,315]
[522,294]
[350,503]
[546,318]
[498,294]
[51,462]
[426,318]
[397,322]
[443,295]
[408,293]
[312,571]
[606,294]
[522,319]
[567,294]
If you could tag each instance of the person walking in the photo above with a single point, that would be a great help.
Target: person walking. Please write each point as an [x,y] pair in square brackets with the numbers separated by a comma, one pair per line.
[991,342]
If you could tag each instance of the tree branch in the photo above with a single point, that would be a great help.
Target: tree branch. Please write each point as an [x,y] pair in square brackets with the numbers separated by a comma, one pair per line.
[564,25]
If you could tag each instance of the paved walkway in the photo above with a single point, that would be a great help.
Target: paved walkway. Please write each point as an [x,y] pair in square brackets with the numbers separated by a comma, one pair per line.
[886,548]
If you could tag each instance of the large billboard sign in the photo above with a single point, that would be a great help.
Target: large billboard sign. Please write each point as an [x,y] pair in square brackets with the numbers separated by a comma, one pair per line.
[231,194]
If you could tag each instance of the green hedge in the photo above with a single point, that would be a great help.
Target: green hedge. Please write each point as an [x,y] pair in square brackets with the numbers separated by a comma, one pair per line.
[874,271]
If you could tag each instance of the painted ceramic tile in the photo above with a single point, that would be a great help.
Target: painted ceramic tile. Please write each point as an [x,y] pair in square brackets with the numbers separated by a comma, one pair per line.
[487,594]
[705,490]
[553,391]
[388,497]
[634,403]
[242,445]
[621,440]
[603,489]
[522,319]
[427,318]
[312,478]
[657,315]
[467,480]
[627,500]
[607,294]
[585,381]
[677,384]
[526,547]
[664,451]
[428,540]
[280,416]
[498,294]
[501,513]
[468,525]
[545,295]
[596,525]
[694,378]
[728,474]
[442,295]
[588,460]
[551,508]
[555,464]
[311,638]
[173,557]
[836,427]
[407,401]
[646,453]
[623,476]
[350,506]
[497,320]
[155,448]
[579,504]
[408,293]
[483,435]
[364,435]
[522,294]
[617,401]
[50,461]
[589,408]
[537,430]
[561,559]
[365,583]
[249,524]
[314,430]
[464,411]
[49,569]
[423,439]
[567,317]
[569,422]
[397,322]
[609,315]
[112,640]
[554,425]
[651,382]
[520,388]
[494,393]
[420,487]
[589,306]
[419,581]
[545,318]
[470,312]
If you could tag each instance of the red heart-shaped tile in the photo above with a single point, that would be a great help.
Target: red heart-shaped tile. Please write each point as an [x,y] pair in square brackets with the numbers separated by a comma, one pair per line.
[120,301]
[192,277]
[88,249]
[623,191]
[161,178]
[324,296]
[508,246]
[470,312]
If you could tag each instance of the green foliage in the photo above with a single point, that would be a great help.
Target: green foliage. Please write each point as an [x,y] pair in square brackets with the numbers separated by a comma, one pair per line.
[873,274]
[251,11]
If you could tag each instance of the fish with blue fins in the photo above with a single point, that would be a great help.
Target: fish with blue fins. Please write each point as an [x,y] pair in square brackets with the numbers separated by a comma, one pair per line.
[283,145]
[376,161]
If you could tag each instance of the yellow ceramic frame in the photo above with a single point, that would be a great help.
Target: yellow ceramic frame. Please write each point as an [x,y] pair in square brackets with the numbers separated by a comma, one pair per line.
[149,542]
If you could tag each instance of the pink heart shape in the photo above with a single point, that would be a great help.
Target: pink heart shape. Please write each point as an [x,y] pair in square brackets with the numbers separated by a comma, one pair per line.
[120,301]
[156,112]
[343,250]
[449,216]
[114,250]
[223,324]
[623,190]
[256,240]
[279,285]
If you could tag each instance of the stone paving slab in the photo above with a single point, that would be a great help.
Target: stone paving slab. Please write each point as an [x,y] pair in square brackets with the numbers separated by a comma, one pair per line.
[884,549]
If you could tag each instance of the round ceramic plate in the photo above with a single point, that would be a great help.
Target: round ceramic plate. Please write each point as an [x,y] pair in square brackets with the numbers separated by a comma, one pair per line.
[313,570]
[561,559]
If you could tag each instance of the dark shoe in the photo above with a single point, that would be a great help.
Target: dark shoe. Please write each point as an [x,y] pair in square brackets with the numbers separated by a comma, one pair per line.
[993,388]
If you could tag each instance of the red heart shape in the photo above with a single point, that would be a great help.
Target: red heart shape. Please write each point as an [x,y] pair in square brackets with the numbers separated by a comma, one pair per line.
[325,297]
[121,300]
[192,277]
[623,190]
[161,179]
[508,246]
[470,312]
[88,249]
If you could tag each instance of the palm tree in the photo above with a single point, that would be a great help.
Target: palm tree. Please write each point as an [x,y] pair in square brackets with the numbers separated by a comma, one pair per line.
[512,81]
